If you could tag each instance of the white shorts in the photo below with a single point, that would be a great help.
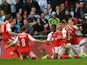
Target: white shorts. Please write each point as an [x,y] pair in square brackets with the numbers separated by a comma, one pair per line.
[55,50]
[31,54]
[76,49]
[66,48]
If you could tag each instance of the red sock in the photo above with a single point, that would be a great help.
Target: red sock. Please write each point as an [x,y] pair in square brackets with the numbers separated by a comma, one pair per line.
[76,56]
[64,56]
[34,58]
[49,57]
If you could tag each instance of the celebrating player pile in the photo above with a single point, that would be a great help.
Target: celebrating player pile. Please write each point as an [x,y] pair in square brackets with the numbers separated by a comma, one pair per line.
[22,40]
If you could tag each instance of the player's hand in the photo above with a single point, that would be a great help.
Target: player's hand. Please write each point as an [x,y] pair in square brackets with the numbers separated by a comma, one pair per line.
[6,47]
[44,41]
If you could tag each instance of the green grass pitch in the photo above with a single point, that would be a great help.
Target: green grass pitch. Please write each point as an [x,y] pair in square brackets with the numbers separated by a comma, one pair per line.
[44,62]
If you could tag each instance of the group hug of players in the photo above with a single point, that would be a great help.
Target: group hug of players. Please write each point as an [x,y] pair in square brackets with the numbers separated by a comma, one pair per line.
[62,39]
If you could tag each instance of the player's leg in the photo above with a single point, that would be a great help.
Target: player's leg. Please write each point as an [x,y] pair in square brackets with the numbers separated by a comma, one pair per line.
[32,55]
[83,42]
[76,49]
[0,50]
[82,45]
[55,51]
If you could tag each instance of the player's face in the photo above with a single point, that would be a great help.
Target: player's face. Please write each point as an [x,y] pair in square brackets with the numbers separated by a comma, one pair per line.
[60,26]
[53,28]
[11,19]
[70,22]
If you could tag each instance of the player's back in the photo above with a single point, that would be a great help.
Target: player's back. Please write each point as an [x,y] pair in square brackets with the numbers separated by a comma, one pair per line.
[23,40]
[5,34]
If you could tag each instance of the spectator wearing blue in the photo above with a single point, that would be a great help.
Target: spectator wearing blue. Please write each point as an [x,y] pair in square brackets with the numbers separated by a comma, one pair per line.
[36,12]
[0,1]
[47,16]
[19,21]
[2,16]
[49,8]
[43,5]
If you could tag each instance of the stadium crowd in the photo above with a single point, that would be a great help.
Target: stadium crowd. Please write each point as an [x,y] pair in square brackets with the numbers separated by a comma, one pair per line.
[41,17]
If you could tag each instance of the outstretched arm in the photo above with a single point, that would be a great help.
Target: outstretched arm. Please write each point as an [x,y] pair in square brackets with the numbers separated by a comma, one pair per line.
[14,42]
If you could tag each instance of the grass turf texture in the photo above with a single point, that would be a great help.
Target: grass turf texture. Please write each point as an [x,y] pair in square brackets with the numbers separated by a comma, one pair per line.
[44,62]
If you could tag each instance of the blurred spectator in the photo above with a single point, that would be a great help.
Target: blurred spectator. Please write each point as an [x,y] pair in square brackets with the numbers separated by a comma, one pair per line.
[5,6]
[49,9]
[14,29]
[81,11]
[62,7]
[11,1]
[72,11]
[12,4]
[29,27]
[0,1]
[67,15]
[76,9]
[38,27]
[19,21]
[31,18]
[2,16]
[57,2]
[85,1]
[54,19]
[69,3]
[44,21]
[62,10]
[47,16]
[58,10]
[29,4]
[19,6]
[36,12]
[43,5]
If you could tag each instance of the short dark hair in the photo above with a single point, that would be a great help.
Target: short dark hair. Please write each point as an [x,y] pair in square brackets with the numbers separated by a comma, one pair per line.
[23,28]
[9,16]
[62,22]
[71,19]
[53,25]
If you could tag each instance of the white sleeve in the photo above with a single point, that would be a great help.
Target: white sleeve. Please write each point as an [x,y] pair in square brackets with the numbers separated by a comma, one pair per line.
[49,36]
[64,33]
[31,38]
[8,27]
[16,40]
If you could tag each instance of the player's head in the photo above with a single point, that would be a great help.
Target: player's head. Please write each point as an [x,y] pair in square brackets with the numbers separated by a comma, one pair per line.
[53,27]
[60,25]
[9,17]
[23,29]
[71,21]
